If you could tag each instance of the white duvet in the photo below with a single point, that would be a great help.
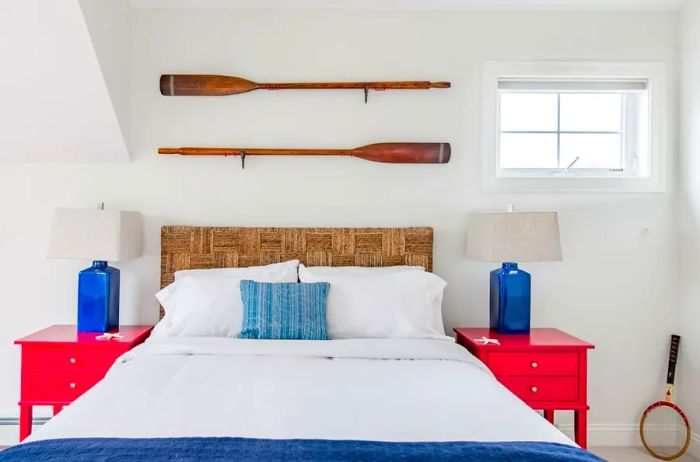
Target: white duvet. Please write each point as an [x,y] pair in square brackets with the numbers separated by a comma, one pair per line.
[382,390]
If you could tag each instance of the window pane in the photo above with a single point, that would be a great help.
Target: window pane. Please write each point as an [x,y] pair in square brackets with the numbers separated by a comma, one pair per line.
[528,112]
[593,151]
[528,150]
[591,112]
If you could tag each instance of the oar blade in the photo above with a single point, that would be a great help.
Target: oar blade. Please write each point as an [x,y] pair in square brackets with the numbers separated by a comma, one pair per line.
[406,153]
[203,85]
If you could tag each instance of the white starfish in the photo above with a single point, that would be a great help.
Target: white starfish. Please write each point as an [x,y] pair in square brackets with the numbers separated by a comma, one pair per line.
[108,336]
[487,341]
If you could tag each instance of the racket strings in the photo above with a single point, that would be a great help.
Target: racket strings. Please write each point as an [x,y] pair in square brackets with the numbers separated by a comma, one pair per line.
[664,431]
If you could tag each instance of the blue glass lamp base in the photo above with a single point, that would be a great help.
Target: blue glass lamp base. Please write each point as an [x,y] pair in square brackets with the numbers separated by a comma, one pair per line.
[98,298]
[510,300]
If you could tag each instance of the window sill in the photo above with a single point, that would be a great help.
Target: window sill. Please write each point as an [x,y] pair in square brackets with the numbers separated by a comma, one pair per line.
[591,185]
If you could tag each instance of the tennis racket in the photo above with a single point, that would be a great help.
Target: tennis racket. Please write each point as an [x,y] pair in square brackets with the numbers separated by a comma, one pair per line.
[664,428]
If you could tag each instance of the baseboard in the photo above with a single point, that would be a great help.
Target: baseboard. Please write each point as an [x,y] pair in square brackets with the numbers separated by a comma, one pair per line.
[608,434]
[598,434]
[694,449]
[622,435]
[9,429]
[15,420]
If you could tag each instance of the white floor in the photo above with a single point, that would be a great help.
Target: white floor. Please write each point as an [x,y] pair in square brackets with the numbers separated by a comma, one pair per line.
[623,454]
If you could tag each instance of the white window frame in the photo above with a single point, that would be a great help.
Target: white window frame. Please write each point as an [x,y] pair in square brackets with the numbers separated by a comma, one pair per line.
[654,74]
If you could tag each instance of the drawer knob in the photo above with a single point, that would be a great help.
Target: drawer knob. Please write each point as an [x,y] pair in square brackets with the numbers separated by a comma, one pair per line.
[534,365]
[73,361]
[72,385]
[533,389]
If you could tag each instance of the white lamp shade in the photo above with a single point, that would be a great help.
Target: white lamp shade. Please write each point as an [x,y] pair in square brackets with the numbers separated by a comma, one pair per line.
[108,235]
[513,236]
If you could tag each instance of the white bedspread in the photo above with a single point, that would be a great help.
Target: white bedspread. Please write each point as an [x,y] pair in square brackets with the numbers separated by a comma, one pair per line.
[382,390]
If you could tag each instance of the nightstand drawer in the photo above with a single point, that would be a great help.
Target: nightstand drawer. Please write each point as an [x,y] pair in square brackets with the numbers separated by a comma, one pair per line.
[63,387]
[537,388]
[47,359]
[535,363]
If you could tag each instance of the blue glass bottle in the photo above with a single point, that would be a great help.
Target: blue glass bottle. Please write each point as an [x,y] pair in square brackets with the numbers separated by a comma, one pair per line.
[510,300]
[98,298]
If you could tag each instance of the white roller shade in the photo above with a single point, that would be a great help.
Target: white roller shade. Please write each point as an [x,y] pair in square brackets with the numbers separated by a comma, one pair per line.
[573,85]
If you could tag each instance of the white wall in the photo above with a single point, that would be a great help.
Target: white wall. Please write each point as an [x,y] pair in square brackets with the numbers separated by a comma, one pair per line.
[689,216]
[55,106]
[616,286]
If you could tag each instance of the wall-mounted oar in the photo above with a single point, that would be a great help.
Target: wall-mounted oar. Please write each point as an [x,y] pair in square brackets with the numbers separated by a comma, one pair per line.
[394,153]
[221,85]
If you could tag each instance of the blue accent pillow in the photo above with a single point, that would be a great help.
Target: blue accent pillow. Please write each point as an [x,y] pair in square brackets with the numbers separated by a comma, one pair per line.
[284,310]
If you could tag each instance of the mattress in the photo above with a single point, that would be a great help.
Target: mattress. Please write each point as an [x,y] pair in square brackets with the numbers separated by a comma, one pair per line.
[392,390]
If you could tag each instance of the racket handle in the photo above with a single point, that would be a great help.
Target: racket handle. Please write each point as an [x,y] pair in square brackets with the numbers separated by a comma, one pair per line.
[672,358]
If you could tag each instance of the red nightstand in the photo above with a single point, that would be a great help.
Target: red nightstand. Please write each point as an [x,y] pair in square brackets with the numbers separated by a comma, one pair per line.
[545,368]
[59,364]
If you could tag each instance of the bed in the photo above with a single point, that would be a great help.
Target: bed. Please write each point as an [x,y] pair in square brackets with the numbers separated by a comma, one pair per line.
[206,398]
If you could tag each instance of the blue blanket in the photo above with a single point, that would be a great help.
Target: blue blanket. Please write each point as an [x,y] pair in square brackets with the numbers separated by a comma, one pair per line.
[247,449]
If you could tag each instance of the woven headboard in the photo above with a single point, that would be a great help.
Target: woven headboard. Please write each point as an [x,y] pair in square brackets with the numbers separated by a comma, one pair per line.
[190,247]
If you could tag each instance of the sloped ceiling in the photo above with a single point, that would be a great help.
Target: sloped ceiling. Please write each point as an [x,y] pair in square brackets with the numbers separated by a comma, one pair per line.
[109,24]
[55,104]
[451,5]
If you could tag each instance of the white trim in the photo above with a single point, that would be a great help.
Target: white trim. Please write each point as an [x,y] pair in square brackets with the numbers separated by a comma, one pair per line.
[608,434]
[9,429]
[598,434]
[15,420]
[653,72]
[694,449]
[626,435]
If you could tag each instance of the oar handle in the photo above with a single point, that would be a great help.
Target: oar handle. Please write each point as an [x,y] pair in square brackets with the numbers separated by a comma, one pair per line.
[188,151]
[398,85]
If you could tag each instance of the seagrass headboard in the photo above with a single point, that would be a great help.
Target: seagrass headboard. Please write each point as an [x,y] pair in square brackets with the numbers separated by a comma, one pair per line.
[192,247]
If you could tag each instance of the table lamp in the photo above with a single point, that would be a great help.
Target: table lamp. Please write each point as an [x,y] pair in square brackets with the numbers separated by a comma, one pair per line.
[509,237]
[101,236]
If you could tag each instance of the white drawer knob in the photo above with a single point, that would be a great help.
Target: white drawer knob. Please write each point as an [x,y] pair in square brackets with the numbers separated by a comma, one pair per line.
[533,389]
[534,365]
[72,385]
[72,361]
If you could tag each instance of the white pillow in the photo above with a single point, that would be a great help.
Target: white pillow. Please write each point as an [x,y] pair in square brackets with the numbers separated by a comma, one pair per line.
[200,307]
[276,272]
[404,304]
[337,270]
[207,303]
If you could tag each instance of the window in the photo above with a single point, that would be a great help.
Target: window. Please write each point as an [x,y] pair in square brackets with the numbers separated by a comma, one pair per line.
[582,128]
[571,126]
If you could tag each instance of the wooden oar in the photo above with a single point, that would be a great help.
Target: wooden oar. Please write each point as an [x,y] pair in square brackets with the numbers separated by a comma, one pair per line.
[395,153]
[220,85]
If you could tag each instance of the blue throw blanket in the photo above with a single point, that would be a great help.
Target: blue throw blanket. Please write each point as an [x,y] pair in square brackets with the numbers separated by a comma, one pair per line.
[247,449]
